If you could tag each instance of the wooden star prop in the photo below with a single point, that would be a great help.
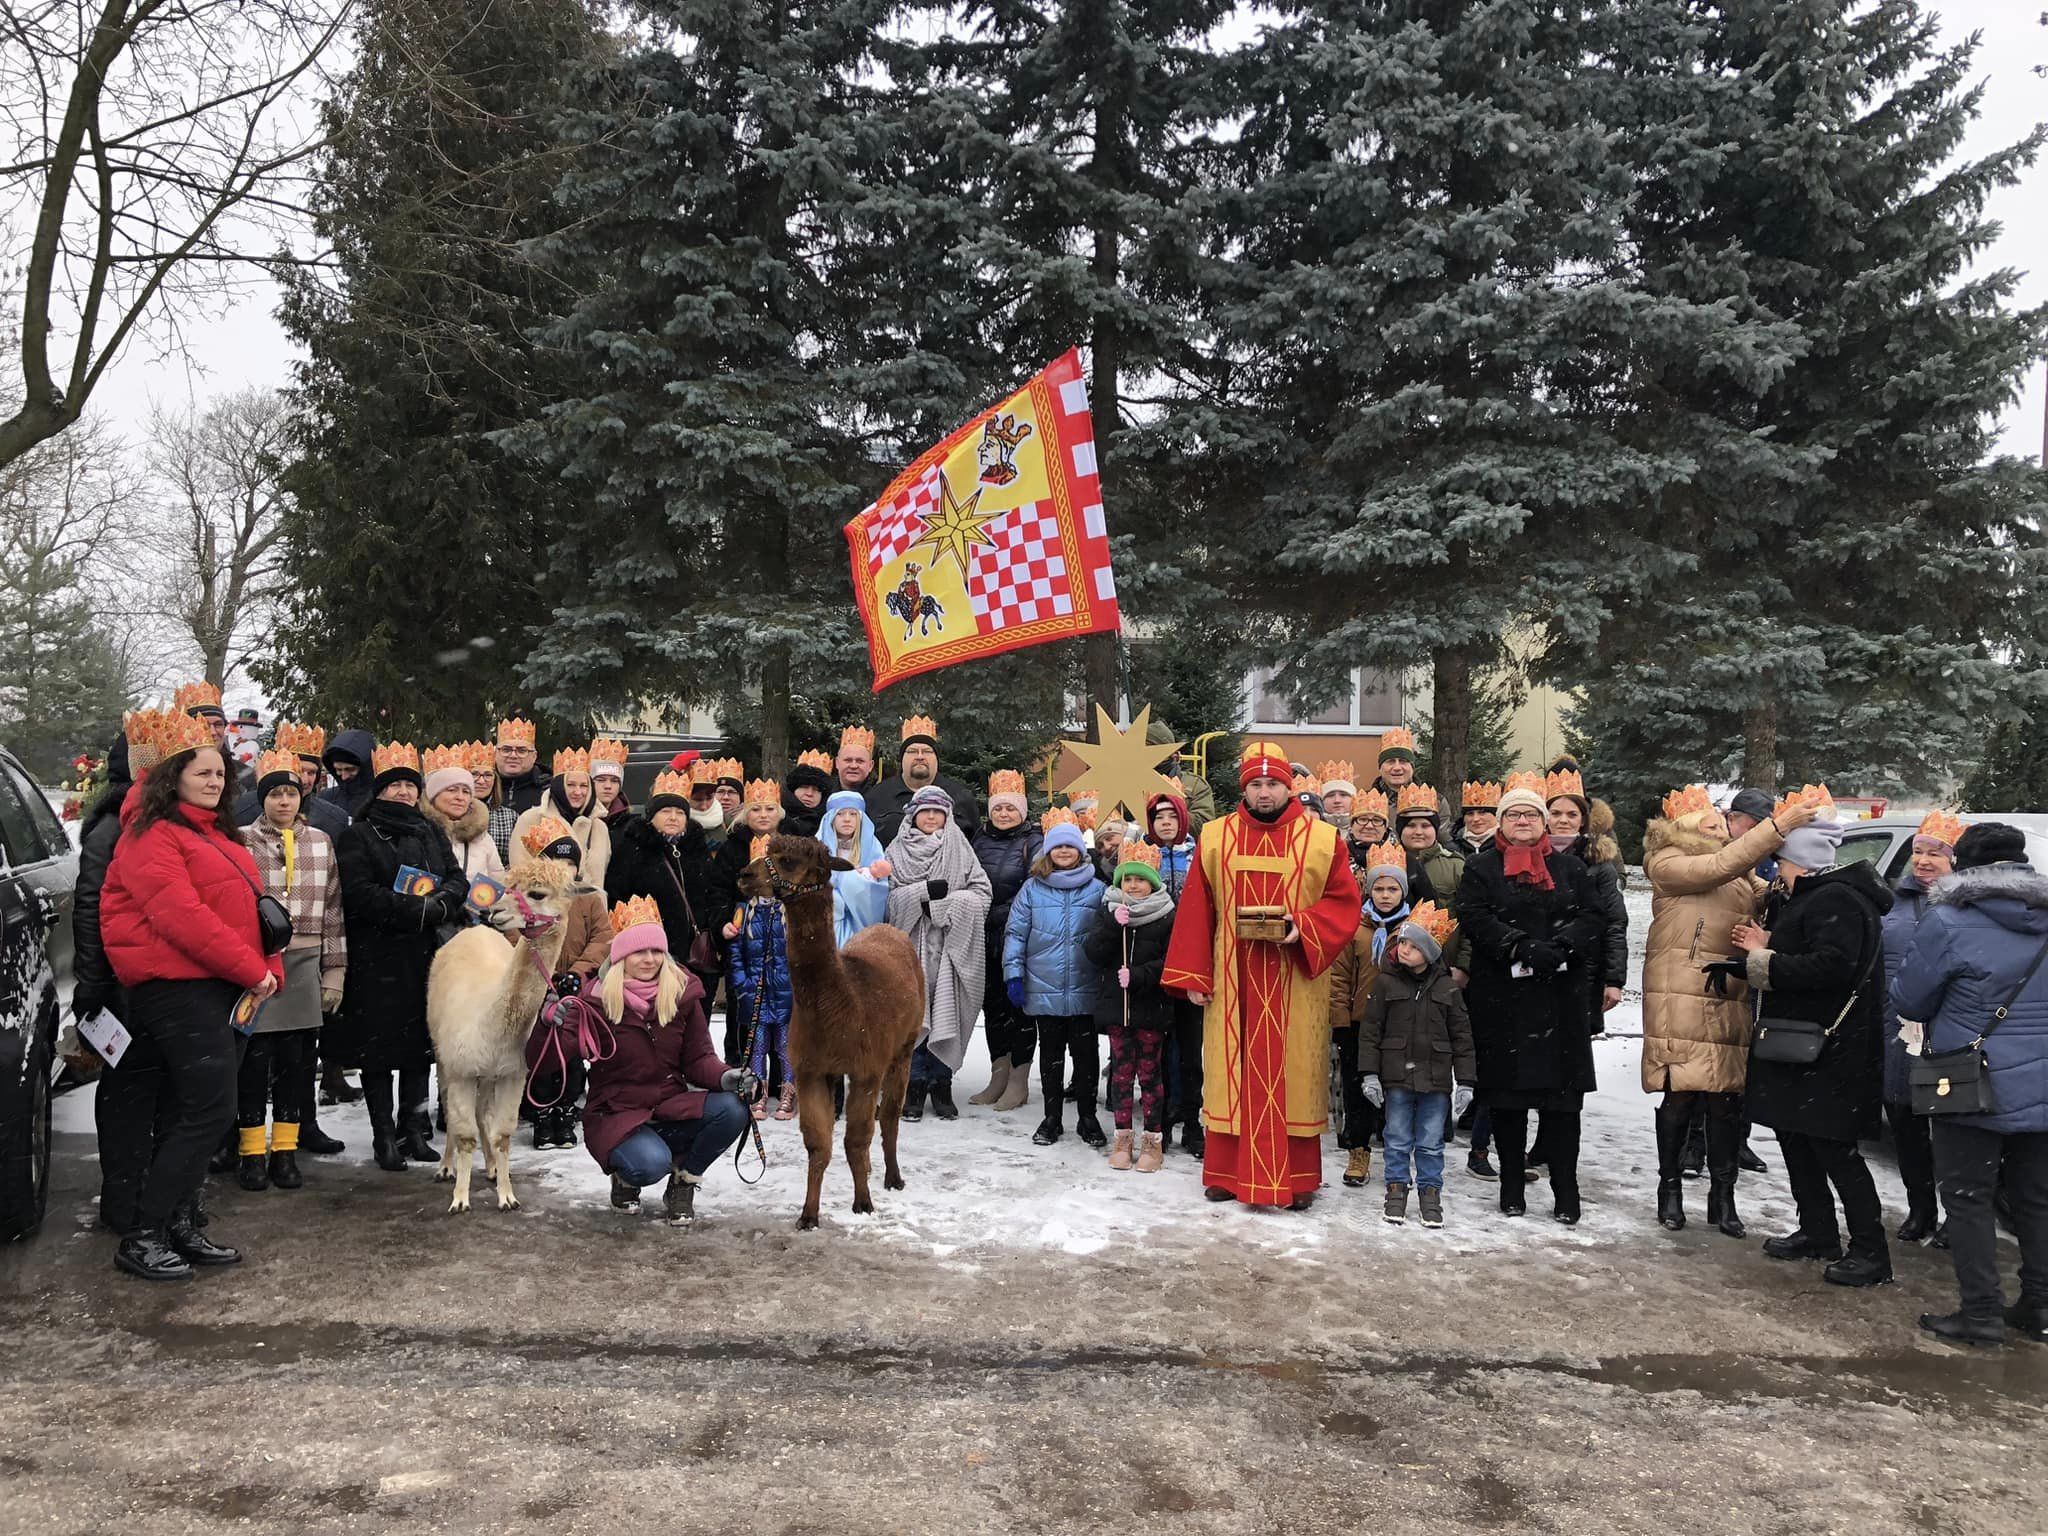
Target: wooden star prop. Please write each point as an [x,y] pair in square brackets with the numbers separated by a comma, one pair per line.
[1122,767]
[957,528]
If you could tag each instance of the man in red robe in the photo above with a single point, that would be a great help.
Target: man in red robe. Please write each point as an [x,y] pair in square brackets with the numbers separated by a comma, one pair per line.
[1266,1015]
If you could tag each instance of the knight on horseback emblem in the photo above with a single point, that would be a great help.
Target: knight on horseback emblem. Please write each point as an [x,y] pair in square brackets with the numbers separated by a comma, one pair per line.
[918,609]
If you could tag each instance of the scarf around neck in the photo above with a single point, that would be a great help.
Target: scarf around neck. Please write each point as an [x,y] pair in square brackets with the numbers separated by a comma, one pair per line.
[640,996]
[1382,925]
[1073,879]
[1526,862]
[942,855]
[1147,909]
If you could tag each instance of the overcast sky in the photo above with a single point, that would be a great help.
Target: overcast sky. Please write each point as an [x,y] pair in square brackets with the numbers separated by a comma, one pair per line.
[245,346]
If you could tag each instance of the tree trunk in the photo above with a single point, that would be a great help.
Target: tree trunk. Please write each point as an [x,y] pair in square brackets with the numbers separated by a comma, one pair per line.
[775,711]
[1760,742]
[1451,721]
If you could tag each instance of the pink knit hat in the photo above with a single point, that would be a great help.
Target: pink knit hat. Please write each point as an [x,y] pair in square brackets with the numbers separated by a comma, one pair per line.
[636,926]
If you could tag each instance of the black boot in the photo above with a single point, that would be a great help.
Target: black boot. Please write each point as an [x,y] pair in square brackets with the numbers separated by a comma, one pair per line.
[1721,1207]
[317,1142]
[942,1100]
[335,1087]
[1724,1152]
[1671,1205]
[2029,1319]
[1959,1328]
[254,1172]
[1747,1160]
[543,1128]
[384,1146]
[196,1248]
[913,1102]
[415,1138]
[679,1200]
[284,1169]
[1860,1268]
[1194,1139]
[1801,1244]
[1049,1130]
[1693,1162]
[150,1255]
[1674,1119]
[1087,1127]
[625,1197]
[1919,1225]
[565,1126]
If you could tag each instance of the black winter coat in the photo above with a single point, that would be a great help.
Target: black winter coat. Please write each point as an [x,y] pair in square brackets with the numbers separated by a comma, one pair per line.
[1532,1034]
[1827,941]
[1103,944]
[1007,858]
[888,800]
[1611,969]
[320,812]
[676,875]
[391,939]
[94,985]
[524,792]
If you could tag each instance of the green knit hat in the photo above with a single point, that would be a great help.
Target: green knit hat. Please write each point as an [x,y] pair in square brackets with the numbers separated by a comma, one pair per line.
[1140,859]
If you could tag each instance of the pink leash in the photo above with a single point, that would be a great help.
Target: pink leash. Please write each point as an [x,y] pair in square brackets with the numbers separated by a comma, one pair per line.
[575,1017]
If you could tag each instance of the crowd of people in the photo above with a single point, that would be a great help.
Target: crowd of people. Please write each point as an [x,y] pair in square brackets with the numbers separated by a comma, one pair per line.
[264,932]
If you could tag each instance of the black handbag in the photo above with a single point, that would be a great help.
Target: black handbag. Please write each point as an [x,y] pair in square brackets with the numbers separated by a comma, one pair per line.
[1799,1042]
[1959,1082]
[272,919]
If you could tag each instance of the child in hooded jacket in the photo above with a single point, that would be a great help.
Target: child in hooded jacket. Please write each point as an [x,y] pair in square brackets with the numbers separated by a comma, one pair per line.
[1169,829]
[1046,974]
[757,951]
[1126,944]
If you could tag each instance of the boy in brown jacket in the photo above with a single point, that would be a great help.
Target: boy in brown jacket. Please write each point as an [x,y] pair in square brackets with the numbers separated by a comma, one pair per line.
[1415,1050]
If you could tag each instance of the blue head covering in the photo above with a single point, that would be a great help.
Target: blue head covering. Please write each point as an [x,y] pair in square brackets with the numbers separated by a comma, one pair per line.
[858,900]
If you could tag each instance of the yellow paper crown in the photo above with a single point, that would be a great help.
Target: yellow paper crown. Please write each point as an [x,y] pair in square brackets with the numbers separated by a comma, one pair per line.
[703,771]
[1371,803]
[571,760]
[1532,782]
[1481,796]
[480,757]
[669,782]
[1387,853]
[1399,738]
[817,760]
[1137,851]
[437,758]
[609,751]
[197,696]
[1942,826]
[729,770]
[920,725]
[1058,816]
[1564,782]
[636,912]
[301,740]
[1336,768]
[155,734]
[1815,795]
[275,761]
[1307,784]
[515,733]
[764,792]
[1434,921]
[858,736]
[394,754]
[1416,797]
[543,833]
[1006,781]
[1684,802]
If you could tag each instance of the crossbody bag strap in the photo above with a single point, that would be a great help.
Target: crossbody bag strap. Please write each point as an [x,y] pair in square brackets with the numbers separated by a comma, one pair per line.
[1998,1014]
[1876,953]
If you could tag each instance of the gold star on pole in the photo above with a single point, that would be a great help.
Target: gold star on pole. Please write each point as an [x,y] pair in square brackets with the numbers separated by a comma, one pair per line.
[957,528]
[1122,767]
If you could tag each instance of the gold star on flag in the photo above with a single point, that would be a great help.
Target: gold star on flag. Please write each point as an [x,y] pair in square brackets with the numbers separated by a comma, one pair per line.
[958,528]
[1122,766]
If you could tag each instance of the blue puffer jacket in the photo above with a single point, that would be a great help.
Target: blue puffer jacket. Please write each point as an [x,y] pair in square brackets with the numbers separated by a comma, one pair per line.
[1173,866]
[1982,930]
[1043,945]
[760,965]
[1901,926]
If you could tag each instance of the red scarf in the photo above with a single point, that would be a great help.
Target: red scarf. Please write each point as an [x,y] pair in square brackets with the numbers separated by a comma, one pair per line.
[1525,862]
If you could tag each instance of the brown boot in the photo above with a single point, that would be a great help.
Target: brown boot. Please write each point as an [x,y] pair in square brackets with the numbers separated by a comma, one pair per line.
[1120,1151]
[1151,1154]
[1396,1211]
[998,1080]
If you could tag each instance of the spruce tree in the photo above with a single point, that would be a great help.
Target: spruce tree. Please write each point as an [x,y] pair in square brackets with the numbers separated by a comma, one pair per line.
[416,544]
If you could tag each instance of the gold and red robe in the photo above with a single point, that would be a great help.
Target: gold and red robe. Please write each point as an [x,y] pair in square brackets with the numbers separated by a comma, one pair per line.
[1266,1029]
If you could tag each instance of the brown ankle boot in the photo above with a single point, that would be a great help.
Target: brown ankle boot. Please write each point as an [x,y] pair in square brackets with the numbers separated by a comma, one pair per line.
[1151,1153]
[1120,1151]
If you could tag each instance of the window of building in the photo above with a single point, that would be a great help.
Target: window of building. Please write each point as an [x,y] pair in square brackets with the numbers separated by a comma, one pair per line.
[1372,704]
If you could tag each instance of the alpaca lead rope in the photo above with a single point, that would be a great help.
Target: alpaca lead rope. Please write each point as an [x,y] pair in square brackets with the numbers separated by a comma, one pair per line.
[747,1059]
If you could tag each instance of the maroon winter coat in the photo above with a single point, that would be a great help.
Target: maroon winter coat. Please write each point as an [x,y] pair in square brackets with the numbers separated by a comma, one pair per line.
[649,1076]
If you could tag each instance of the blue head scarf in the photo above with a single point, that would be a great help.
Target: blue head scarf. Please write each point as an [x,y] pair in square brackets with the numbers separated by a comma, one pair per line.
[858,900]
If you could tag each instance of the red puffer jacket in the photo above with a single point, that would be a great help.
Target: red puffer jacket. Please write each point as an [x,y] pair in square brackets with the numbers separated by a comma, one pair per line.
[175,906]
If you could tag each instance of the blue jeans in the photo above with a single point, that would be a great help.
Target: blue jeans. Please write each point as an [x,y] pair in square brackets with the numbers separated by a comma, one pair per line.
[927,1068]
[647,1156]
[1415,1124]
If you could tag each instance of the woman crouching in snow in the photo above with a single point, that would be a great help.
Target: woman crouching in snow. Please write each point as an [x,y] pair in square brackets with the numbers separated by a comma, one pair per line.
[645,1120]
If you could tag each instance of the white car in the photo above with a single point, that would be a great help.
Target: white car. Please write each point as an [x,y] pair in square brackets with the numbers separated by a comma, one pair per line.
[1887,841]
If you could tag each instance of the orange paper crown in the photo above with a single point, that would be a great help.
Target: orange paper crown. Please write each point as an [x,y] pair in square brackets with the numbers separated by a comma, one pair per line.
[480,757]
[1815,795]
[1564,782]
[703,771]
[302,740]
[729,768]
[1434,921]
[1481,796]
[1942,826]
[639,911]
[1336,768]
[155,734]
[1137,851]
[515,733]
[543,833]
[275,761]
[757,849]
[1686,801]
[197,696]
[669,782]
[571,760]
[1058,816]
[1373,802]
[764,792]
[1386,853]
[394,754]
[1006,781]
[1416,797]
[1398,738]
[437,758]
[610,752]
[1532,782]
[920,725]
[1307,784]
[817,760]
[858,736]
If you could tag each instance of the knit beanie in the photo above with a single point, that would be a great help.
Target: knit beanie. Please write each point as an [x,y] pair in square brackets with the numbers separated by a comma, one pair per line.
[1066,834]
[1398,873]
[447,778]
[636,927]
[1142,870]
[1751,802]
[1414,933]
[1812,846]
[1988,842]
[278,778]
[930,798]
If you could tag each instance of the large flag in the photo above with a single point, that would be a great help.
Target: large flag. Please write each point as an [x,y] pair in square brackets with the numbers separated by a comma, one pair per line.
[991,541]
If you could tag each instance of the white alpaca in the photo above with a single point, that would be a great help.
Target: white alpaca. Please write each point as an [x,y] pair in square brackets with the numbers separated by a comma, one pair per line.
[483,996]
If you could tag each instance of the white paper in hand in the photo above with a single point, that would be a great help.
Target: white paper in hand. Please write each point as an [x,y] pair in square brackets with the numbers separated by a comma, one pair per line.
[1912,1035]
[105,1034]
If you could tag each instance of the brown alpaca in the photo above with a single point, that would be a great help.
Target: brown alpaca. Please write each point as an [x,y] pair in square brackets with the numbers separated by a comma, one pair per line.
[855,1013]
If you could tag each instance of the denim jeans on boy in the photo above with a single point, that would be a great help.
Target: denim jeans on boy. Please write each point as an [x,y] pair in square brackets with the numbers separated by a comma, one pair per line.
[1415,1125]
[646,1156]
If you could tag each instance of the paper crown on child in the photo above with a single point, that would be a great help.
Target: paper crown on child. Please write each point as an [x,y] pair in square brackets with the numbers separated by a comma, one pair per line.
[1398,742]
[1432,920]
[608,755]
[480,757]
[1415,800]
[1687,801]
[1816,795]
[156,734]
[858,736]
[635,912]
[194,697]
[1263,760]
[543,834]
[1058,816]
[1483,795]
[729,770]
[302,740]
[921,728]
[1943,826]
[1338,774]
[1385,855]
[395,757]
[276,764]
[1566,781]
[1372,803]
[670,783]
[764,792]
[571,760]
[515,733]
[1136,851]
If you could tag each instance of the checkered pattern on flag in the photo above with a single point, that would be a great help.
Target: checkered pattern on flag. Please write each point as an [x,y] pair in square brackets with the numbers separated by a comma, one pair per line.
[991,540]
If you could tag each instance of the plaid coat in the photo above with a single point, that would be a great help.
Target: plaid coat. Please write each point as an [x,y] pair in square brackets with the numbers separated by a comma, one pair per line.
[314,899]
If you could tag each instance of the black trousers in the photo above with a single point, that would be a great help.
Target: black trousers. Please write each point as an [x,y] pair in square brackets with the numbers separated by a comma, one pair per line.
[1718,1116]
[1058,1038]
[1968,1162]
[1560,1148]
[273,1076]
[1009,1032]
[412,1095]
[1812,1165]
[1360,1118]
[558,1090]
[1184,1065]
[132,1107]
[187,1022]
[1914,1142]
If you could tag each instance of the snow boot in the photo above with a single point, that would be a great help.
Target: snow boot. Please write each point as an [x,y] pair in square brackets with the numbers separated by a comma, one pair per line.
[1673,1124]
[785,1106]
[1431,1200]
[942,1100]
[625,1197]
[1151,1155]
[1358,1168]
[1087,1127]
[679,1200]
[913,1102]
[1016,1092]
[254,1173]
[284,1170]
[1395,1211]
[1919,1226]
[998,1080]
[1049,1130]
[1860,1269]
[1120,1150]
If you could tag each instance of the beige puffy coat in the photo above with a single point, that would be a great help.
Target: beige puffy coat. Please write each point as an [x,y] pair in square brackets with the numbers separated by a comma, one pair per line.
[1700,888]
